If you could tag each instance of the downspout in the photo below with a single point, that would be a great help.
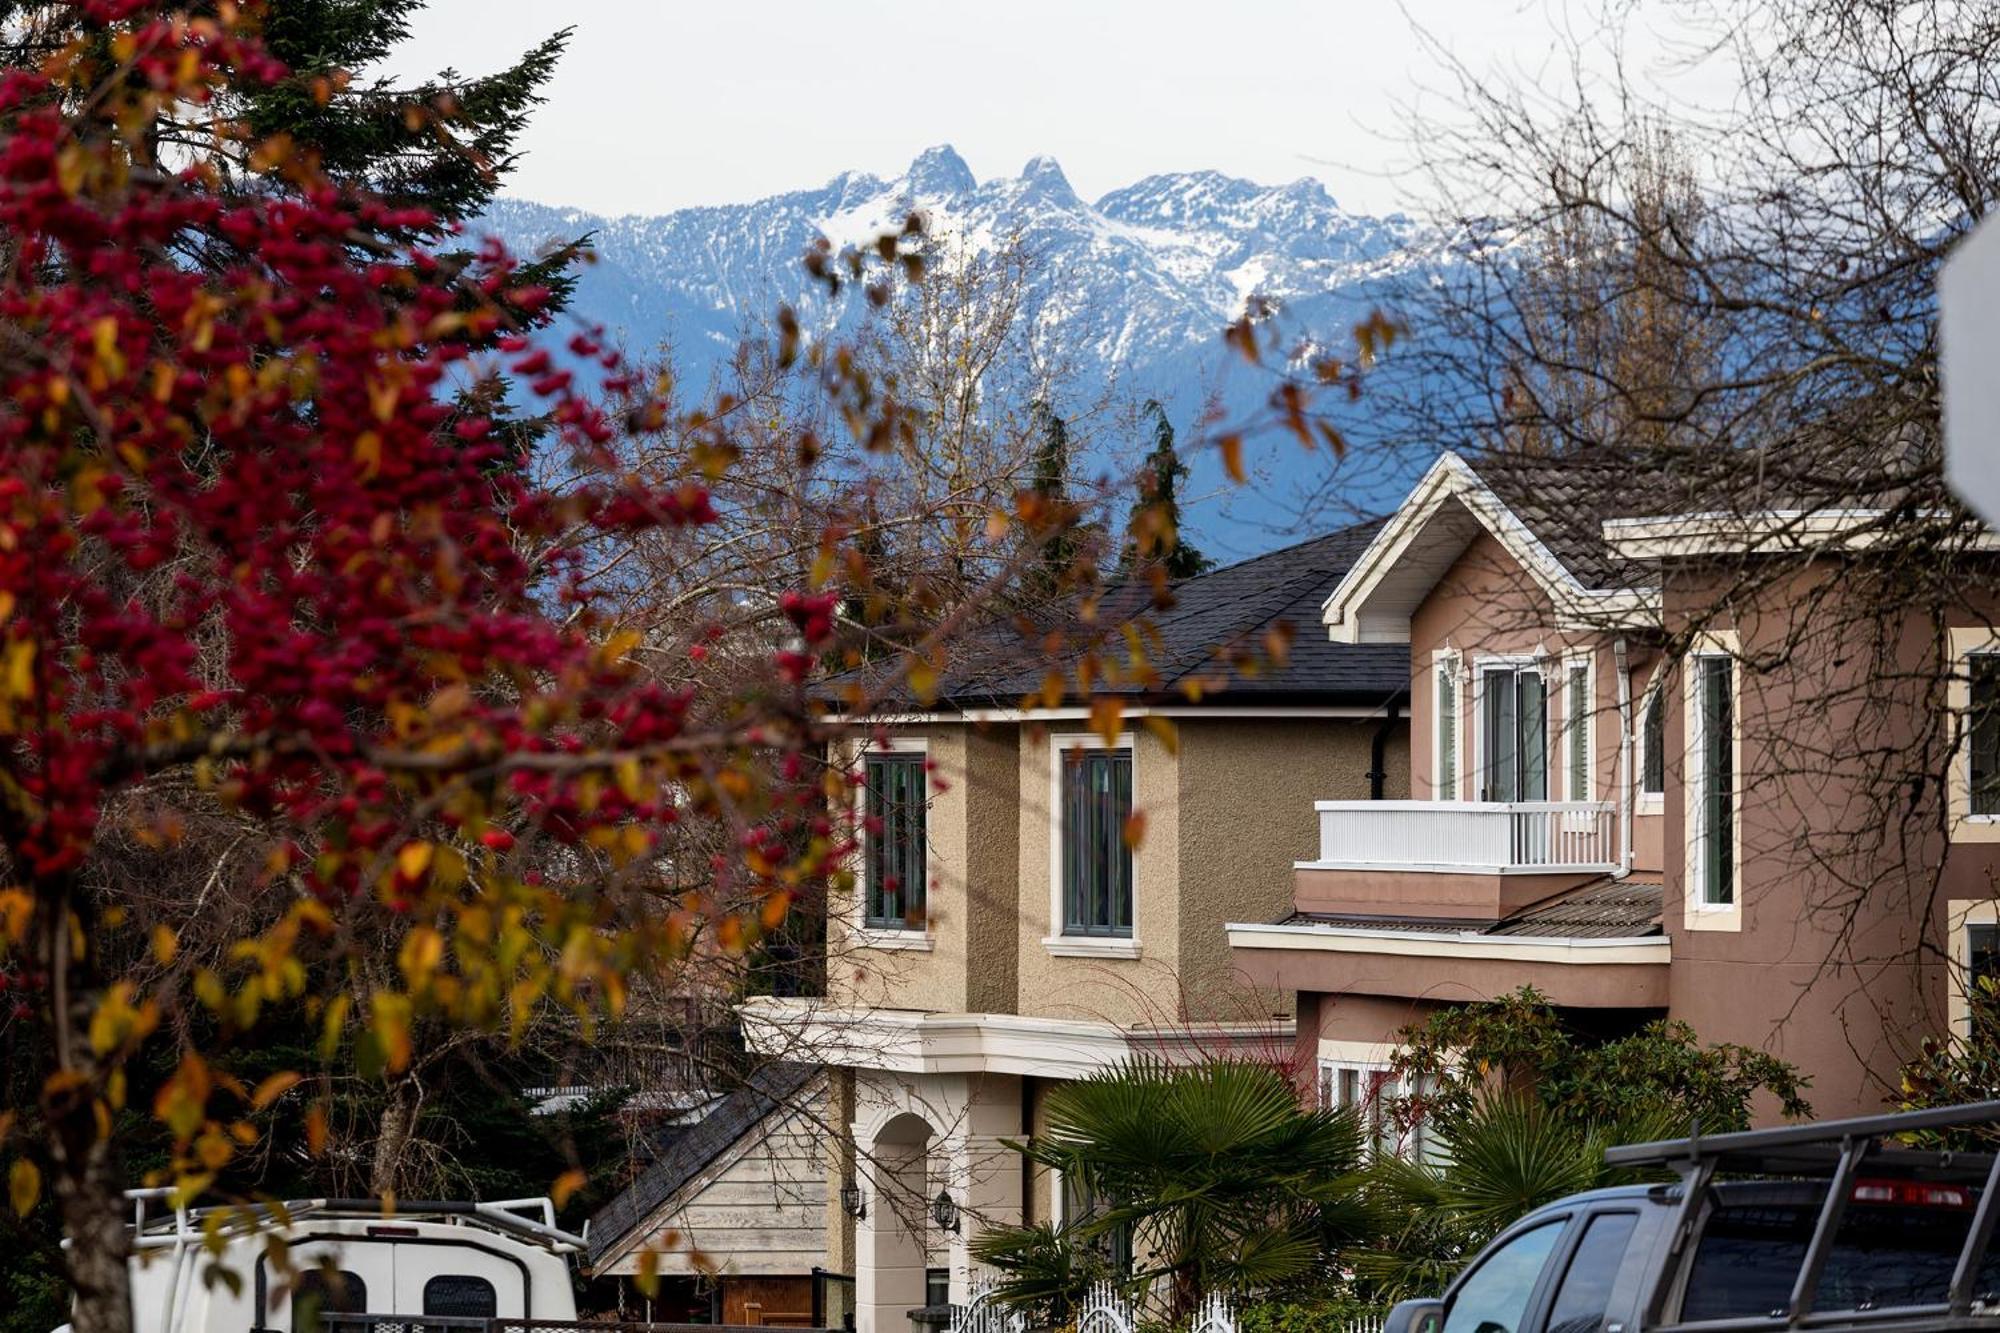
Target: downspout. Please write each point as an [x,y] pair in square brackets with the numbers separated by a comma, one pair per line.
[1378,753]
[1624,758]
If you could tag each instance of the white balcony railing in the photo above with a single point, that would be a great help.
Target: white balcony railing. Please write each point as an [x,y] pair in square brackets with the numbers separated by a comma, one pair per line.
[1469,835]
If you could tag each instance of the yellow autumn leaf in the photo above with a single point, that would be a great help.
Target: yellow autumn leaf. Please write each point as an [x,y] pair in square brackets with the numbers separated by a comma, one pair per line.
[20,669]
[24,1186]
[566,1185]
[272,1088]
[166,944]
[413,859]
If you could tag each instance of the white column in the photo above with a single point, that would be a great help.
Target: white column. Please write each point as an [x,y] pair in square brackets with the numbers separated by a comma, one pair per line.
[986,1180]
[889,1240]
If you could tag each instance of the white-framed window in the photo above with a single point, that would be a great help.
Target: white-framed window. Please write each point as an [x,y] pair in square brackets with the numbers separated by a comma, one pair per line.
[1651,745]
[1579,751]
[1513,711]
[1447,684]
[1093,884]
[1714,768]
[1973,695]
[893,879]
[1368,1088]
[1974,938]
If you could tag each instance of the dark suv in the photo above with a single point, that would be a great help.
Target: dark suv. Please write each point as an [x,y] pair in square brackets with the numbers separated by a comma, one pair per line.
[1831,1225]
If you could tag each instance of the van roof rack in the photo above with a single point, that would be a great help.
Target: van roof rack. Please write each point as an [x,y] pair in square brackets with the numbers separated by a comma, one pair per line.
[1786,1149]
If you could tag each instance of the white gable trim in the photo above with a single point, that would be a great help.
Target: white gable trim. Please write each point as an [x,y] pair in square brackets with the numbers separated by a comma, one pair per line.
[1451,479]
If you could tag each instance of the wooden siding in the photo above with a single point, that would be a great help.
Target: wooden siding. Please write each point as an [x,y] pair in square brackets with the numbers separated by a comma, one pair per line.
[758,1210]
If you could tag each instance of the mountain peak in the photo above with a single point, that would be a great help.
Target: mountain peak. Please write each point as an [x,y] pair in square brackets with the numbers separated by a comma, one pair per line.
[940,170]
[1044,176]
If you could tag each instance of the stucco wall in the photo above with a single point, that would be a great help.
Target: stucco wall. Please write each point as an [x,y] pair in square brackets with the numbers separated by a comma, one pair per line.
[1102,987]
[1247,789]
[933,977]
[1845,877]
[992,867]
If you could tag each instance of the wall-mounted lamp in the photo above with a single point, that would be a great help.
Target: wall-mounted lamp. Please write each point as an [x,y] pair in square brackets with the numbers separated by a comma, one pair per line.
[851,1201]
[944,1210]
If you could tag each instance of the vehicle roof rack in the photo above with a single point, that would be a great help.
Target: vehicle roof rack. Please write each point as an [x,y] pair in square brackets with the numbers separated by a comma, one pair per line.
[1796,1147]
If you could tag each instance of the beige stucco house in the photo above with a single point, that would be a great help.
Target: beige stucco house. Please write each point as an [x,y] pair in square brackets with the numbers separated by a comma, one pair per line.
[1005,933]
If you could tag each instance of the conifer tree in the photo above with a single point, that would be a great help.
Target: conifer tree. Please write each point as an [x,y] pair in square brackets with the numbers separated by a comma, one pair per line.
[1051,484]
[1154,531]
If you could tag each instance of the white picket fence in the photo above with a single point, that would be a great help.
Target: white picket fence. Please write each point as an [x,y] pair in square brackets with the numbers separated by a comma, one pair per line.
[984,1314]
[1105,1310]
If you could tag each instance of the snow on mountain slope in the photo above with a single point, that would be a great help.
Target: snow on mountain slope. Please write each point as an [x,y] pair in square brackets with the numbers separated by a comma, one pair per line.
[1138,284]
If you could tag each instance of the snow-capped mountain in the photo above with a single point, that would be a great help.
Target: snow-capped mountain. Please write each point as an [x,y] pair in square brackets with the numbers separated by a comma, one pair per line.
[1139,283]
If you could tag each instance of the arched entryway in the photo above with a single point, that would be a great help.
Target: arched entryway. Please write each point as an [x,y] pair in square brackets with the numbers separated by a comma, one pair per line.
[891,1240]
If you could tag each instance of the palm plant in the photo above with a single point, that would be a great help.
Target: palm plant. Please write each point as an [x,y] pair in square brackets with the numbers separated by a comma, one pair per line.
[1507,1155]
[1223,1180]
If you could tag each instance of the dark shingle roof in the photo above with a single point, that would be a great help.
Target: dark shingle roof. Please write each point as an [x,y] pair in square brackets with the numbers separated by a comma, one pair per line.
[694,1151]
[1231,607]
[1565,499]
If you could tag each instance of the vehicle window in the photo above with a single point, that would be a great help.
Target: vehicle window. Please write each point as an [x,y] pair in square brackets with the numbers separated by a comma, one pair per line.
[1585,1293]
[1746,1262]
[1900,1255]
[1884,1255]
[324,1293]
[462,1296]
[1494,1299]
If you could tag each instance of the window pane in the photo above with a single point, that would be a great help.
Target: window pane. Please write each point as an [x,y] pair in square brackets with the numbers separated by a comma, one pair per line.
[1533,745]
[1585,1294]
[1718,781]
[462,1297]
[1494,1299]
[1502,776]
[1097,865]
[1447,725]
[320,1294]
[1577,710]
[1982,971]
[1653,776]
[1983,733]
[894,863]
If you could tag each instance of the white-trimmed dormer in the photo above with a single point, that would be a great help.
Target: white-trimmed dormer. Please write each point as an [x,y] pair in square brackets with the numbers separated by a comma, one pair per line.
[1448,508]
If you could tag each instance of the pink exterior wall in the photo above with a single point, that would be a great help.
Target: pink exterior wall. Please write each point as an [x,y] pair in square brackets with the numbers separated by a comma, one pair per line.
[1486,605]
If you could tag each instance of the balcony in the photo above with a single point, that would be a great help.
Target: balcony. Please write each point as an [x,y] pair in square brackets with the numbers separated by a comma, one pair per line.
[1468,837]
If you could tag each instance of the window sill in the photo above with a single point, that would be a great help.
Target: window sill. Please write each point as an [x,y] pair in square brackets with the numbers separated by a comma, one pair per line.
[1650,803]
[1091,946]
[877,937]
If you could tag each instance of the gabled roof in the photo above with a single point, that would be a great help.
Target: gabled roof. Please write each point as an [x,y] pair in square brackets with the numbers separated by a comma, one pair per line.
[1548,514]
[1230,607]
[734,1117]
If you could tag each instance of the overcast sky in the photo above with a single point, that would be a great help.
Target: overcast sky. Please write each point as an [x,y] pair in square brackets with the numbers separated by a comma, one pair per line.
[662,104]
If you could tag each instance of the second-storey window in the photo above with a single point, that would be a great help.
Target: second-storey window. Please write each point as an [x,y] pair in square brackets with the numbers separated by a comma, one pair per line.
[1653,745]
[894,840]
[1515,741]
[1982,734]
[1714,756]
[1576,730]
[1096,859]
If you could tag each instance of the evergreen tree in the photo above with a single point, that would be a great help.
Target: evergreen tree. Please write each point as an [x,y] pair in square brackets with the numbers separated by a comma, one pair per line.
[1154,531]
[1051,483]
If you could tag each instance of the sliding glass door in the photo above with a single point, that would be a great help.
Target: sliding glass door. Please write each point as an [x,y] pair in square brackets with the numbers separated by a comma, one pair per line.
[1515,735]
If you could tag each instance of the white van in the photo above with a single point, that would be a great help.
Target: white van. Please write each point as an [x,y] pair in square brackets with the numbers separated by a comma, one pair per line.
[429,1266]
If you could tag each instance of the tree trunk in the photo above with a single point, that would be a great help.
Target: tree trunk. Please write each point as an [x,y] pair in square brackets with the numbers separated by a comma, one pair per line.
[88,1180]
[90,1198]
[392,1136]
